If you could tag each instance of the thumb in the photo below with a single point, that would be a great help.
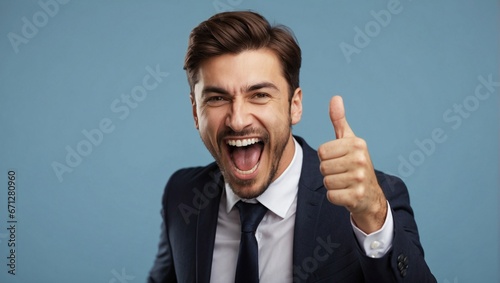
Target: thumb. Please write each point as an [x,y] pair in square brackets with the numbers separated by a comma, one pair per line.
[337,115]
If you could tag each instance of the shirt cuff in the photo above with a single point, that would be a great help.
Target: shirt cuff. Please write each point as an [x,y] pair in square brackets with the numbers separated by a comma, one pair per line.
[376,244]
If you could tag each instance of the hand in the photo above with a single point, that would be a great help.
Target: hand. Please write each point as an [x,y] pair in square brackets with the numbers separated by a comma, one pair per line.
[348,173]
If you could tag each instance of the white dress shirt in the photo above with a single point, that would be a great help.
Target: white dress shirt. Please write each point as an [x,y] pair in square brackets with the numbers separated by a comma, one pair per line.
[275,232]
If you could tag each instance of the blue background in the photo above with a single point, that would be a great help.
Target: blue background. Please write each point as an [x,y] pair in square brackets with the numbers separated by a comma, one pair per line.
[100,222]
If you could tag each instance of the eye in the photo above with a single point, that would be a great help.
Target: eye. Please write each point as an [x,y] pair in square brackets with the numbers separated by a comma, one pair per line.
[215,100]
[261,95]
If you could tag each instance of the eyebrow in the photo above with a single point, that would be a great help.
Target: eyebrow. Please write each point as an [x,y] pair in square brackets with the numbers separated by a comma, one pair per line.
[254,87]
[262,85]
[213,89]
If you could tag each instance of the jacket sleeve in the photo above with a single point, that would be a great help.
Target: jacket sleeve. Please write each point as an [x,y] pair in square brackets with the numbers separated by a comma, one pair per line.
[405,261]
[163,270]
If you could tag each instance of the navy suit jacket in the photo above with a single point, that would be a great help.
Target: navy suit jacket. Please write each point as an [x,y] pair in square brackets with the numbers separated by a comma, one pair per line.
[325,248]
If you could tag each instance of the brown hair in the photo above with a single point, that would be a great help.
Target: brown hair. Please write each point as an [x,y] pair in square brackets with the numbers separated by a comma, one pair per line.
[234,32]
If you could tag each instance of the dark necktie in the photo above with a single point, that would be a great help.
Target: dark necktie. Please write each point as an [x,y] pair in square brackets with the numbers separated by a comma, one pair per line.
[247,269]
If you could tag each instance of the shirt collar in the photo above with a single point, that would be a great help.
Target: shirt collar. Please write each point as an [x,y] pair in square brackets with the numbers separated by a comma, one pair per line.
[281,193]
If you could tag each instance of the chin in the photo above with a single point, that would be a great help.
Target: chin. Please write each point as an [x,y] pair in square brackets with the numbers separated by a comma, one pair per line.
[247,193]
[249,189]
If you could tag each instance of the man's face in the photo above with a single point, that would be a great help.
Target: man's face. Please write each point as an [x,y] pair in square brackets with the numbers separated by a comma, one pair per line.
[242,110]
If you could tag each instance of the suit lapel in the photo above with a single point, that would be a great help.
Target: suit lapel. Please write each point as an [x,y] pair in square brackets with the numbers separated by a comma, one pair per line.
[309,201]
[207,226]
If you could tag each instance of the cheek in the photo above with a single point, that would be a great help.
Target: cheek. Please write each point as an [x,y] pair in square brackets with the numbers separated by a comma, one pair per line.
[280,117]
[273,118]
[209,122]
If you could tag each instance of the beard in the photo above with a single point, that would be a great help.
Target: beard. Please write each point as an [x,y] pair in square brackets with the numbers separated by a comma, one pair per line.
[275,152]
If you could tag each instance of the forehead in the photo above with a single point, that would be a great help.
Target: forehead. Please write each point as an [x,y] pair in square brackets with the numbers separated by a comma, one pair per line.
[247,67]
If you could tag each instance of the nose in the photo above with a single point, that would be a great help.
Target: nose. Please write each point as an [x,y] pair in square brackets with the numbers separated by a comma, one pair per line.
[239,116]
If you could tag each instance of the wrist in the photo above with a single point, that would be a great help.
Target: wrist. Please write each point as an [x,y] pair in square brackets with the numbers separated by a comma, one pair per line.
[373,218]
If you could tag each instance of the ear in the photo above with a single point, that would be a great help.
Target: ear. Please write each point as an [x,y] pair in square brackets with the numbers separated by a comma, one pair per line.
[195,113]
[296,106]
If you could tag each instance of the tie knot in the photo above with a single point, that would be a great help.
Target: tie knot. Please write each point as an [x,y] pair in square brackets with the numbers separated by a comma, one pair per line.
[250,215]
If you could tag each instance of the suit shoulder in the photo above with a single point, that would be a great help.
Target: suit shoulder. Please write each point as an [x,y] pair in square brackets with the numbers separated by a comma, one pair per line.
[384,177]
[184,180]
[392,186]
[193,175]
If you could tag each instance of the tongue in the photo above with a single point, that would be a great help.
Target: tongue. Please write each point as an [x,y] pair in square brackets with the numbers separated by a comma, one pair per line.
[246,157]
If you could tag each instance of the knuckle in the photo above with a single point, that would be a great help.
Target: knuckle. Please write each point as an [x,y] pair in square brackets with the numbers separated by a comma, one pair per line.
[330,196]
[325,182]
[360,159]
[328,182]
[359,193]
[359,176]
[322,168]
[359,143]
[321,152]
[351,206]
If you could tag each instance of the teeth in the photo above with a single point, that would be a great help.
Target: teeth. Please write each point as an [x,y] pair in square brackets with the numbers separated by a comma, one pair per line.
[248,171]
[244,142]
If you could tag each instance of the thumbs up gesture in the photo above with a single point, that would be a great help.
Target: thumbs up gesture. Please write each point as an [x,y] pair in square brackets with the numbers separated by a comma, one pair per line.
[348,173]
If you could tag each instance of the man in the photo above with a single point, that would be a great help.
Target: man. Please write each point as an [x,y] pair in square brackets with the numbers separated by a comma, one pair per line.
[327,216]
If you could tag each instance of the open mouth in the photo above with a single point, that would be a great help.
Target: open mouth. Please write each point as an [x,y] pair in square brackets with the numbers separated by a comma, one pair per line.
[245,154]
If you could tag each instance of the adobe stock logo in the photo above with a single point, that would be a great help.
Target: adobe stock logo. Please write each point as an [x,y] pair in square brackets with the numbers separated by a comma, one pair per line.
[40,19]
[120,106]
[454,116]
[226,5]
[363,37]
[122,277]
[323,250]
[202,198]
